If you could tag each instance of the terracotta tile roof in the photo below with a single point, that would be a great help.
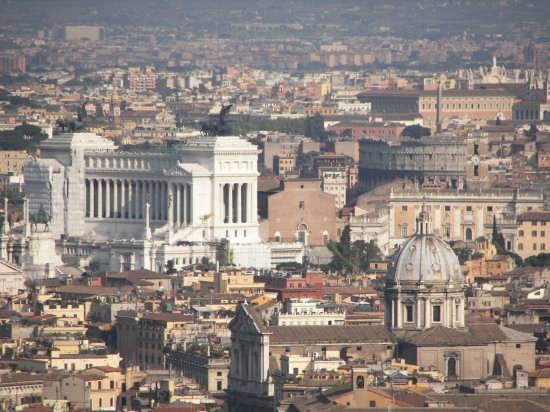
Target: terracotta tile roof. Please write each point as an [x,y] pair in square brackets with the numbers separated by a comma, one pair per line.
[328,334]
[88,290]
[542,215]
[168,317]
[474,335]
[107,369]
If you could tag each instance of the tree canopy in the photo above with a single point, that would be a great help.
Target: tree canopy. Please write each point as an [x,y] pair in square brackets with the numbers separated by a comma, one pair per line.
[23,137]
[540,260]
[352,257]
[309,126]
[416,131]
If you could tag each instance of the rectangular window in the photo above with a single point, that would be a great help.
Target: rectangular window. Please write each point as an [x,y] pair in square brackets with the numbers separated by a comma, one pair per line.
[447,208]
[409,313]
[534,233]
[302,205]
[468,208]
[520,233]
[520,246]
[489,208]
[436,313]
[543,246]
[404,208]
[219,386]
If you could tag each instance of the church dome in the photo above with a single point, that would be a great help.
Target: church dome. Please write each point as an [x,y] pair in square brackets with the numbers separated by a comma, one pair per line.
[425,258]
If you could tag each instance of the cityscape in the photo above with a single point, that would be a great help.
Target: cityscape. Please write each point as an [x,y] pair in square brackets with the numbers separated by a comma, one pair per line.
[274,205]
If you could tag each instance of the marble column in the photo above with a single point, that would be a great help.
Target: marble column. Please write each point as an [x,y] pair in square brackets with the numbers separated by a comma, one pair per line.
[87,187]
[92,198]
[185,204]
[230,203]
[170,206]
[428,312]
[225,202]
[399,313]
[100,198]
[239,210]
[123,201]
[159,201]
[178,205]
[154,200]
[254,205]
[220,205]
[189,204]
[250,203]
[130,200]
[163,202]
[107,198]
[116,209]
[418,315]
[245,197]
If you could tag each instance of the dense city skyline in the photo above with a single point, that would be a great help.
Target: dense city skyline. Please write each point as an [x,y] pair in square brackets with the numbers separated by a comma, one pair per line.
[260,206]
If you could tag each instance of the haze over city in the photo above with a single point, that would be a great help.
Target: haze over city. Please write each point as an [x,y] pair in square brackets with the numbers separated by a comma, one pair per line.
[265,206]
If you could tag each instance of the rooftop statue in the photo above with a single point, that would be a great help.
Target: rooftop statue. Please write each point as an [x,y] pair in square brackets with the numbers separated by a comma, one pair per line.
[219,128]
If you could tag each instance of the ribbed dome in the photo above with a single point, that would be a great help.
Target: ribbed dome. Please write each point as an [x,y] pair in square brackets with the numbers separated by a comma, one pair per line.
[425,258]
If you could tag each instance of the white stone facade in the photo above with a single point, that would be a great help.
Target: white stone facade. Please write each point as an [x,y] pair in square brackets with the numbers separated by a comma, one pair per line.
[203,191]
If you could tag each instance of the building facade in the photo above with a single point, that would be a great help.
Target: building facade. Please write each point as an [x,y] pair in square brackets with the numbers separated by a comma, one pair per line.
[425,306]
[149,202]
[301,212]
[429,161]
[533,233]
[462,216]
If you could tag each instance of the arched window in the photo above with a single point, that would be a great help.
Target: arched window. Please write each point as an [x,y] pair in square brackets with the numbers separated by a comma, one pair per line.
[302,233]
[468,233]
[451,367]
[360,382]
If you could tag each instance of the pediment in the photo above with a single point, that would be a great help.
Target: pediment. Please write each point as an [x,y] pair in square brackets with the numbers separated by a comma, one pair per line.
[243,322]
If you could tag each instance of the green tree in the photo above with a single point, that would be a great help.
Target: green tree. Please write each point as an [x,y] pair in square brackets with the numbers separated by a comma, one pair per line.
[415,131]
[305,163]
[348,257]
[540,260]
[314,127]
[23,137]
[345,237]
